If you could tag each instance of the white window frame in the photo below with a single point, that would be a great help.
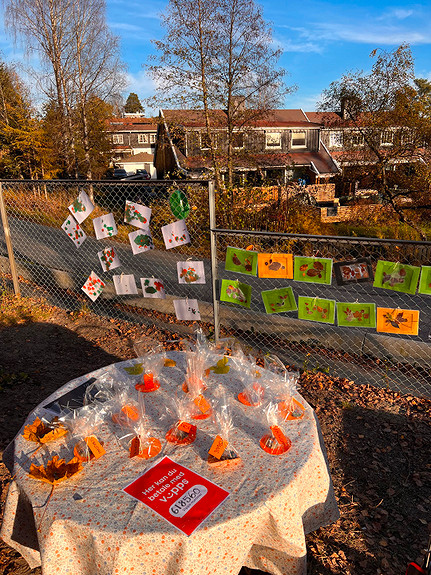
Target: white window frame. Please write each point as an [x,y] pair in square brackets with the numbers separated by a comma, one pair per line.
[117,139]
[386,142]
[298,146]
[142,138]
[336,139]
[357,134]
[272,135]
[203,136]
[153,138]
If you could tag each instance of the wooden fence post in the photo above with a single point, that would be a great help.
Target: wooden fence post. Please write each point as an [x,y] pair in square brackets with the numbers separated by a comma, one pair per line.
[9,243]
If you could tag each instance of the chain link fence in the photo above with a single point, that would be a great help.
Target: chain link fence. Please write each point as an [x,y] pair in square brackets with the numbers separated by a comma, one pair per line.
[50,266]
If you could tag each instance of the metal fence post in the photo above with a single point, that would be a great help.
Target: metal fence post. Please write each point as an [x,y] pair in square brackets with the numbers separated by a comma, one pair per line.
[213,248]
[9,243]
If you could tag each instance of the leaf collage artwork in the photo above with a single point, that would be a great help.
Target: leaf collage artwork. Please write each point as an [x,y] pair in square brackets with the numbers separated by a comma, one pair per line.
[425,281]
[153,287]
[81,207]
[235,292]
[313,270]
[275,265]
[175,234]
[93,287]
[125,284]
[108,259]
[353,271]
[187,309]
[398,321]
[241,261]
[356,314]
[397,277]
[179,204]
[191,272]
[137,215]
[74,231]
[141,241]
[105,226]
[279,300]
[316,309]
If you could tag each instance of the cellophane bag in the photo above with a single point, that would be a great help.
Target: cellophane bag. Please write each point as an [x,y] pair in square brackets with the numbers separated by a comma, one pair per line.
[284,389]
[143,444]
[183,431]
[222,453]
[153,361]
[248,373]
[84,424]
[275,442]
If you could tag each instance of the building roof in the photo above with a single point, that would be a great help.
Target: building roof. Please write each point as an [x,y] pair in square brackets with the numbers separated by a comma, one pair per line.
[141,157]
[132,124]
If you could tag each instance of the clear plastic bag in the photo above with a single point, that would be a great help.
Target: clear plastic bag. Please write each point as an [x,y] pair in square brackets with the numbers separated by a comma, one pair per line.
[275,442]
[182,432]
[83,425]
[153,361]
[284,388]
[222,453]
[143,444]
[248,373]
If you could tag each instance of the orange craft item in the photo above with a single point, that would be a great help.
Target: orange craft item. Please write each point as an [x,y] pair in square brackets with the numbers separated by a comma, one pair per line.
[146,449]
[204,410]
[275,443]
[127,414]
[291,410]
[148,383]
[40,432]
[86,450]
[245,396]
[183,433]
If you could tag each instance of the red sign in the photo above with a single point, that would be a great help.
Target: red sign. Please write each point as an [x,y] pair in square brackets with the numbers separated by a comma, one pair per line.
[179,495]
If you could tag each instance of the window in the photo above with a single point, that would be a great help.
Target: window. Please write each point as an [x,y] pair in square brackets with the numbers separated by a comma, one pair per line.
[238,140]
[387,138]
[336,139]
[142,138]
[152,138]
[356,139]
[273,140]
[205,141]
[117,139]
[298,139]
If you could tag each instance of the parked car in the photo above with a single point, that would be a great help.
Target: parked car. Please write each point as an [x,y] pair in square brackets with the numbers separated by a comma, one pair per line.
[140,175]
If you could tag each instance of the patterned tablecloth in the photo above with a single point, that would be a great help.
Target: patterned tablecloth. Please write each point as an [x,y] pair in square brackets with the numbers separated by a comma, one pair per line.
[274,500]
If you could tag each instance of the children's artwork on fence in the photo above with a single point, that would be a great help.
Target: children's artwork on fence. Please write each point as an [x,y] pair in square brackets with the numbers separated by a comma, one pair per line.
[314,270]
[105,226]
[187,309]
[241,261]
[93,287]
[191,272]
[179,204]
[353,271]
[137,215]
[396,276]
[153,287]
[81,207]
[279,300]
[356,314]
[399,321]
[233,291]
[108,259]
[316,309]
[275,265]
[141,241]
[175,234]
[425,281]
[125,284]
[74,231]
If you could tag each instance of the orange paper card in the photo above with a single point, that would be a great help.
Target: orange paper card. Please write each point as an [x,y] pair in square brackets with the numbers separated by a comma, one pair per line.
[218,447]
[400,321]
[202,403]
[275,265]
[184,426]
[95,446]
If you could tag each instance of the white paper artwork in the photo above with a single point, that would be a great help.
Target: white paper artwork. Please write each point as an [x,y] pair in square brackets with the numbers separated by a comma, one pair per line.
[108,259]
[125,284]
[153,287]
[137,215]
[93,287]
[187,309]
[81,207]
[175,234]
[191,272]
[104,226]
[141,241]
[74,231]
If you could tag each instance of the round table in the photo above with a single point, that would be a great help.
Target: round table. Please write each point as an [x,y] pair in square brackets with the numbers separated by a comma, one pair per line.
[91,527]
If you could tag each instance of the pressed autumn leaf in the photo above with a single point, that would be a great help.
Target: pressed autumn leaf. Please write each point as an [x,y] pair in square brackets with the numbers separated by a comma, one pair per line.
[136,369]
[221,366]
[170,362]
[56,470]
[40,432]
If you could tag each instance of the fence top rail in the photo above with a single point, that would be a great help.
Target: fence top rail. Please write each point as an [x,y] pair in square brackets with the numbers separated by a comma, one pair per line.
[105,181]
[314,238]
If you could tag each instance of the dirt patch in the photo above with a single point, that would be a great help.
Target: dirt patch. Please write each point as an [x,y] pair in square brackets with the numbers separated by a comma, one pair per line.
[377,440]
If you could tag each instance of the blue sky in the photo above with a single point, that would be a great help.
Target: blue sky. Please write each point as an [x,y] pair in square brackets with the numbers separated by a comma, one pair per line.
[321,40]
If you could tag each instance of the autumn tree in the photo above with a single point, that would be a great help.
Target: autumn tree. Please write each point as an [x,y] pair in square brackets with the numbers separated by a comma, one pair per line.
[133,104]
[218,55]
[385,120]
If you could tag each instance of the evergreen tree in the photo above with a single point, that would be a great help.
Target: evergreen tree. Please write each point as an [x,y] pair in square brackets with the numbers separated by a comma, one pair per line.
[133,104]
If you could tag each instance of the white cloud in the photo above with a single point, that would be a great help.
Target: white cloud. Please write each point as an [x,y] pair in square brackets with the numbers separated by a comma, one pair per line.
[401,14]
[143,86]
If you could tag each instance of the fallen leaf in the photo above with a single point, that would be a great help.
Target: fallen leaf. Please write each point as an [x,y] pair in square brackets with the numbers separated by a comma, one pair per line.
[170,362]
[56,470]
[40,432]
[136,369]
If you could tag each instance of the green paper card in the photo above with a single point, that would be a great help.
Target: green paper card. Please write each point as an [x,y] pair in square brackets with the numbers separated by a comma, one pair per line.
[241,261]
[425,281]
[179,204]
[314,270]
[279,300]
[396,277]
[316,309]
[235,292]
[356,314]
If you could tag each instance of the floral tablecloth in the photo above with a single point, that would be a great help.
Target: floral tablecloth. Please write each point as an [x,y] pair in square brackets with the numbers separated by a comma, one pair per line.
[91,527]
